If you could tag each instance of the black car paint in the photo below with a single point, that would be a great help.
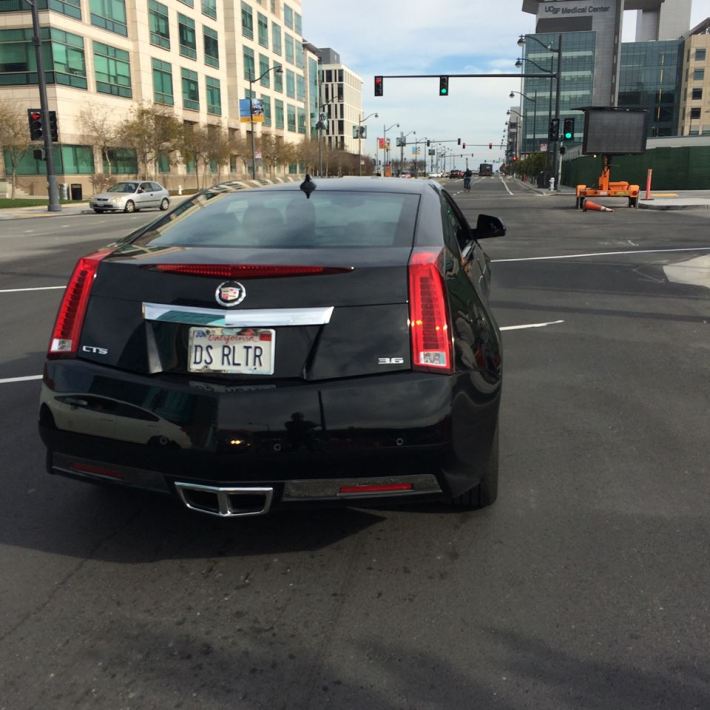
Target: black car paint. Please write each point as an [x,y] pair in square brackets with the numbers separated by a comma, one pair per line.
[330,409]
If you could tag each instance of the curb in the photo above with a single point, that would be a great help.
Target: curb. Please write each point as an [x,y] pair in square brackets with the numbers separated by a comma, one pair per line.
[689,203]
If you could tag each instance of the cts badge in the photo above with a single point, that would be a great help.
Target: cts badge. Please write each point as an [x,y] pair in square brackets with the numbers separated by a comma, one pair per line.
[230,293]
[94,350]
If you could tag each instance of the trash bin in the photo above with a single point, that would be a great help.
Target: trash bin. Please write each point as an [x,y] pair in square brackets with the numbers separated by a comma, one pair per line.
[541,179]
[63,191]
[76,191]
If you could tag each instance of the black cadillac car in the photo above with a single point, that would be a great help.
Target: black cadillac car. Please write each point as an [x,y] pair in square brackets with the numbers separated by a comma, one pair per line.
[255,348]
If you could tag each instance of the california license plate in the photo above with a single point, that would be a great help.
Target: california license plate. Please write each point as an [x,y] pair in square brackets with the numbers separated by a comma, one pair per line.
[243,351]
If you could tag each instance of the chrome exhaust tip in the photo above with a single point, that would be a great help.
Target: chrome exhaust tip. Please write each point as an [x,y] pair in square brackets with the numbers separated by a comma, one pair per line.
[229,502]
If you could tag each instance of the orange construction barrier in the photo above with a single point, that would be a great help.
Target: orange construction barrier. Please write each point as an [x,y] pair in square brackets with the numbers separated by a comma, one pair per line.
[589,205]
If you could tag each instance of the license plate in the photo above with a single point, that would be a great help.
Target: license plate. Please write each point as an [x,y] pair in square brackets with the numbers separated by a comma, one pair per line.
[243,351]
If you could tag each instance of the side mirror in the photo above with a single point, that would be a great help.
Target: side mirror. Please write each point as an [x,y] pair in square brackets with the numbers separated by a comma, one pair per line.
[488,226]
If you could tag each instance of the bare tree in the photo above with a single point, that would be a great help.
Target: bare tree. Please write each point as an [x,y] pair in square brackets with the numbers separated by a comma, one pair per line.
[150,130]
[14,137]
[308,154]
[101,131]
[220,145]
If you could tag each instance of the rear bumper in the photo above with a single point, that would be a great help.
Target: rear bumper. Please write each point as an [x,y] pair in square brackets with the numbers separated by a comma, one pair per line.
[306,441]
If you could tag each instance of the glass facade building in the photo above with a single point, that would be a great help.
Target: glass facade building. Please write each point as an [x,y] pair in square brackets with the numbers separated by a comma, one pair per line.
[650,78]
[576,85]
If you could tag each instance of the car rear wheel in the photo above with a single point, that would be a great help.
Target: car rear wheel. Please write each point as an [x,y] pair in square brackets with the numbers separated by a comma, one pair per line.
[98,211]
[130,206]
[164,204]
[486,492]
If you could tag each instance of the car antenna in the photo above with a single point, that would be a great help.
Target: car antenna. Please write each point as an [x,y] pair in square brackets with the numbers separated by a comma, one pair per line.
[308,186]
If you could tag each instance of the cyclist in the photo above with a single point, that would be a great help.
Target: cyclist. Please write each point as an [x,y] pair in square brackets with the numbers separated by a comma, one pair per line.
[467,179]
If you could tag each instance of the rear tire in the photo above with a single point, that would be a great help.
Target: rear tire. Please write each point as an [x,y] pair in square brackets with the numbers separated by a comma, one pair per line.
[130,206]
[486,492]
[165,204]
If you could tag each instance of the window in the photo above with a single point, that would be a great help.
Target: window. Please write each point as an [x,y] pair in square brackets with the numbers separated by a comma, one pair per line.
[186,32]
[279,82]
[694,113]
[110,14]
[301,119]
[298,24]
[247,22]
[68,59]
[300,55]
[113,70]
[264,67]
[123,161]
[276,38]
[214,96]
[697,95]
[288,41]
[72,8]
[698,75]
[700,55]
[159,26]
[288,17]
[278,114]
[248,55]
[190,90]
[290,84]
[291,118]
[263,30]
[211,42]
[300,88]
[162,83]
[209,8]
[189,3]
[266,102]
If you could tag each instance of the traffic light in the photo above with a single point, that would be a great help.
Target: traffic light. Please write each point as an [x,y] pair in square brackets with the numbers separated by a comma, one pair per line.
[553,132]
[443,86]
[53,126]
[379,85]
[428,143]
[459,141]
[568,129]
[563,150]
[464,146]
[490,146]
[34,116]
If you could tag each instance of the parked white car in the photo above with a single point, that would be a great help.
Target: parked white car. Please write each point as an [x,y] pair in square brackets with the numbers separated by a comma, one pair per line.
[131,196]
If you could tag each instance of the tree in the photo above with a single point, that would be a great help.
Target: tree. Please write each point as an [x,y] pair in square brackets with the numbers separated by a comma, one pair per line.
[308,154]
[150,130]
[194,146]
[14,137]
[275,151]
[100,131]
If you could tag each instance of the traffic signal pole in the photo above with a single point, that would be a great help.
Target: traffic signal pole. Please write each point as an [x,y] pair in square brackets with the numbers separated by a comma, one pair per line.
[53,205]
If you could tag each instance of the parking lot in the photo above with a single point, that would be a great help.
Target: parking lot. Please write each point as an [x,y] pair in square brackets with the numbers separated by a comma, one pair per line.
[584,586]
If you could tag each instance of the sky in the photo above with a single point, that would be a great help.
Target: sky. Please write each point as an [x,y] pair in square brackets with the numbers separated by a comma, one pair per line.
[434,37]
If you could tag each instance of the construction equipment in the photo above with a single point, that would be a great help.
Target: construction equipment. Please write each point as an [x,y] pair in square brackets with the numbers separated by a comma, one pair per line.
[607,188]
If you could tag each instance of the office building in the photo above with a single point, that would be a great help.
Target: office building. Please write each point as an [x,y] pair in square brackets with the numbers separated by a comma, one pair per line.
[694,112]
[193,57]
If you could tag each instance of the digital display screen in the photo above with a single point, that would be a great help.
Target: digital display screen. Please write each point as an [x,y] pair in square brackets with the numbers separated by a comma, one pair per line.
[614,131]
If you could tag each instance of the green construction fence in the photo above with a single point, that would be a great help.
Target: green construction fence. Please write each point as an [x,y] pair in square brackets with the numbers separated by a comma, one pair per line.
[686,168]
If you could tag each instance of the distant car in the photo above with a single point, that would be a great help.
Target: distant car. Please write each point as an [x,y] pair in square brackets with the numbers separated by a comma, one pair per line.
[329,342]
[456,174]
[131,196]
[436,175]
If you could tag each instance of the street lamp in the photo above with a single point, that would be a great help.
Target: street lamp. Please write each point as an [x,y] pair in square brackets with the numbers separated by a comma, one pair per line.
[402,141]
[360,121]
[279,70]
[384,147]
[519,63]
[558,76]
[534,101]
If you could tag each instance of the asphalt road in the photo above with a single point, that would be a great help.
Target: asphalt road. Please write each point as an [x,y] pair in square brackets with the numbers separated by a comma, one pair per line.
[584,586]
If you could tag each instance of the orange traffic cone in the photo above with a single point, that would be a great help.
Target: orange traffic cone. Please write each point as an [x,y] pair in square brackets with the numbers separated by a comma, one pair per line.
[589,205]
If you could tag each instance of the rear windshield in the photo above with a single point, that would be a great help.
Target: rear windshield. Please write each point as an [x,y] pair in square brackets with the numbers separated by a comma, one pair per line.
[287,219]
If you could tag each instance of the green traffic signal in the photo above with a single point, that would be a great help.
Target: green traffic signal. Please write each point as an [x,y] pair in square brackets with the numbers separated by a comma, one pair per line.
[443,86]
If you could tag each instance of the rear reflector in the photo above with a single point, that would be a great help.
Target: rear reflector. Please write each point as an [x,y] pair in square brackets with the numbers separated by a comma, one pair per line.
[247,271]
[72,309]
[372,488]
[432,349]
[96,470]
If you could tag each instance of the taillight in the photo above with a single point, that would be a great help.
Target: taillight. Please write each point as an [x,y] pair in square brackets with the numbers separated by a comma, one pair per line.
[70,318]
[247,271]
[432,347]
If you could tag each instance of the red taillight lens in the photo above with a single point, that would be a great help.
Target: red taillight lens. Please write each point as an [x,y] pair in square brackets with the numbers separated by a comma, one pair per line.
[376,488]
[70,318]
[247,271]
[432,349]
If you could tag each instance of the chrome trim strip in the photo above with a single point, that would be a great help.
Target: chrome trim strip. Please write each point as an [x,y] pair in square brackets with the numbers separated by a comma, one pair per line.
[255,318]
[224,504]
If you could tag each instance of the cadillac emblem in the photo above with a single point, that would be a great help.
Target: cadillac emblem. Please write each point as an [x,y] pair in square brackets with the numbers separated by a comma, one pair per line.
[230,293]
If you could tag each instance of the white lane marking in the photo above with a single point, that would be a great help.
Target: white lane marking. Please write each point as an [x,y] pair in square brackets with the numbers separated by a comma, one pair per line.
[28,231]
[505,186]
[603,253]
[8,380]
[531,325]
[38,288]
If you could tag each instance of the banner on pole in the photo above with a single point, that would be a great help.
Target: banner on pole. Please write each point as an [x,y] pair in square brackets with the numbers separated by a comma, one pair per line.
[257,111]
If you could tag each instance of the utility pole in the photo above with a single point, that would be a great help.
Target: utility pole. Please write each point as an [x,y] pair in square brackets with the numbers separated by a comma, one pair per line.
[52,189]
